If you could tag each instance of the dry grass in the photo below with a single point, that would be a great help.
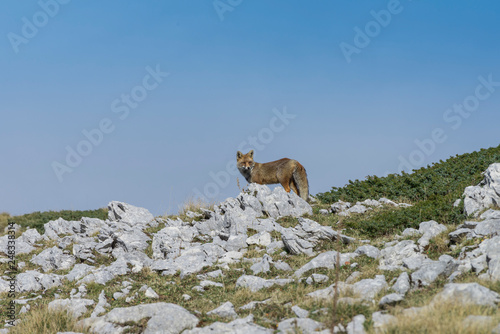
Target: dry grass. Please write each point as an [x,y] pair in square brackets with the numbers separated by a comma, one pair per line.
[191,204]
[4,220]
[444,318]
[41,320]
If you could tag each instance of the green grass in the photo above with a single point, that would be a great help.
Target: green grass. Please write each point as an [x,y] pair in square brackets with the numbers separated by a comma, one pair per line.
[38,219]
[432,190]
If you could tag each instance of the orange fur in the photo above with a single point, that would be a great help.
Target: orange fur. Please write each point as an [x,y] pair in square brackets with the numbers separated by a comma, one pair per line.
[289,173]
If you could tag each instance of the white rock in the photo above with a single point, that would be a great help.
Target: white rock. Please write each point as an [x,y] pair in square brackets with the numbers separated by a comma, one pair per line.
[300,312]
[150,293]
[226,310]
[356,326]
[467,293]
[75,307]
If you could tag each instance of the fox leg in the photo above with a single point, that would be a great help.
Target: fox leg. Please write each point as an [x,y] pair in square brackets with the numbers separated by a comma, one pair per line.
[294,186]
[286,184]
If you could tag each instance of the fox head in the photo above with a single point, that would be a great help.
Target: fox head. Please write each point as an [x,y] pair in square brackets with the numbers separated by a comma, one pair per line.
[245,162]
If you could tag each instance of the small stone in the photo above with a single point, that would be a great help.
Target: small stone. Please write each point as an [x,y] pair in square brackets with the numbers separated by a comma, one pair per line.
[402,284]
[150,293]
[467,293]
[390,300]
[356,326]
[226,310]
[353,277]
[317,278]
[300,312]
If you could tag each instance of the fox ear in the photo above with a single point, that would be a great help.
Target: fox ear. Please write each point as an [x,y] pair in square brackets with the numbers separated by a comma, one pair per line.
[250,153]
[239,155]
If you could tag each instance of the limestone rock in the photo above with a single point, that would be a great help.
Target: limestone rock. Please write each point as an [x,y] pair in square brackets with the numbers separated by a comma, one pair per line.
[255,283]
[326,260]
[75,307]
[164,318]
[226,310]
[467,293]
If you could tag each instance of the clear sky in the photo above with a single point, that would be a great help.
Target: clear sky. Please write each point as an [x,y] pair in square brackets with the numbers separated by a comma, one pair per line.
[147,102]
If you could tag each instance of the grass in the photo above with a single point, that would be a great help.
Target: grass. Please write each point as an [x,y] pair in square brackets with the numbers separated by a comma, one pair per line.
[196,205]
[4,221]
[41,320]
[38,219]
[432,190]
[446,318]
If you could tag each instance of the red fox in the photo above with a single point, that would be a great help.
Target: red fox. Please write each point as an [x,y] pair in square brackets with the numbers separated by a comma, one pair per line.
[290,173]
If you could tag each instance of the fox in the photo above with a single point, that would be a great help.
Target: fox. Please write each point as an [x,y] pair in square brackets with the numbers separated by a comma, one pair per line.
[288,172]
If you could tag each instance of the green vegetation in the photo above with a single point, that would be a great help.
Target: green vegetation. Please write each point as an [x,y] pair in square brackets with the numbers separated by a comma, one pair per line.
[4,220]
[41,320]
[432,190]
[38,219]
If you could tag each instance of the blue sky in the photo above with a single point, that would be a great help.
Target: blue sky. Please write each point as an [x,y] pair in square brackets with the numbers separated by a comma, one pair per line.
[74,67]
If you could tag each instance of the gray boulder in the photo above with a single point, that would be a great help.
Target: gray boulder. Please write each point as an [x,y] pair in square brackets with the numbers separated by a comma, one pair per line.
[317,278]
[238,326]
[53,259]
[163,318]
[431,270]
[490,214]
[356,326]
[340,206]
[32,280]
[30,236]
[131,215]
[390,300]
[254,283]
[22,247]
[394,257]
[461,233]
[75,307]
[484,195]
[57,227]
[100,308]
[302,238]
[489,227]
[367,289]
[168,241]
[410,232]
[301,325]
[261,239]
[279,203]
[358,208]
[326,260]
[262,266]
[368,250]
[467,293]
[226,310]
[429,230]
[300,312]
[402,284]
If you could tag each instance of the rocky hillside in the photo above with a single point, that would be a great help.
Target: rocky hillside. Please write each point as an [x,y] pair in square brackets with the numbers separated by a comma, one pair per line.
[263,262]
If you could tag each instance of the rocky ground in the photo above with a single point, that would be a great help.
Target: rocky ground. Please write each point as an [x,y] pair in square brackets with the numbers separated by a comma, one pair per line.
[262,262]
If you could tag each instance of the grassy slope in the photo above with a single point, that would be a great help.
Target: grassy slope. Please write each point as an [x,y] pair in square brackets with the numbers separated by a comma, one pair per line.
[432,190]
[38,219]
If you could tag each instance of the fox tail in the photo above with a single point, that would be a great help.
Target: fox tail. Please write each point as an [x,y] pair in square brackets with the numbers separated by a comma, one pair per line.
[300,178]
